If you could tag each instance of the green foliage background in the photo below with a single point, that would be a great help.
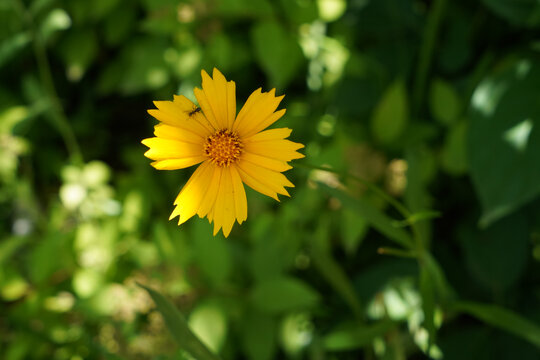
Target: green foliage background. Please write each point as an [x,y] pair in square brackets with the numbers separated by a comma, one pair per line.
[423,240]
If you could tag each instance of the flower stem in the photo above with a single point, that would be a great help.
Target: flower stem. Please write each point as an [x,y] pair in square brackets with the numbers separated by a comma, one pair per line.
[57,113]
[426,53]
[372,187]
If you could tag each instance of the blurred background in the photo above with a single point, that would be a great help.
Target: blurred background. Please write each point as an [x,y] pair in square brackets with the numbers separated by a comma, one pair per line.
[436,102]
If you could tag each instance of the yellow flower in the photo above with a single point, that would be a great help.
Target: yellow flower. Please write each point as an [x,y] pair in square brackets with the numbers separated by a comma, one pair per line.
[233,150]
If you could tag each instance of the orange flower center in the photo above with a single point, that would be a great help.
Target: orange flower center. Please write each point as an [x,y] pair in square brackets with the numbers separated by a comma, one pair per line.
[223,148]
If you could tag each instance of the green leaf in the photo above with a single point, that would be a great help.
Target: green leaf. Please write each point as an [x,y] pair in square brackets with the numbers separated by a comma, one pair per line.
[497,256]
[503,319]
[336,277]
[444,102]
[283,294]
[454,151]
[372,215]
[350,337]
[391,114]
[11,46]
[178,327]
[504,139]
[277,52]
[78,49]
[211,254]
[259,335]
[427,290]
[518,12]
[209,322]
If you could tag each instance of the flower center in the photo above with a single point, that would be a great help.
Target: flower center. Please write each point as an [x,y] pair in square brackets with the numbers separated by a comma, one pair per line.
[223,148]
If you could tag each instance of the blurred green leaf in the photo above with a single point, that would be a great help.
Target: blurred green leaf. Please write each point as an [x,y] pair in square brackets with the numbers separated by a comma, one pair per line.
[245,8]
[78,50]
[119,24]
[283,294]
[518,12]
[209,323]
[11,46]
[54,246]
[454,151]
[211,254]
[502,318]
[374,216]
[427,291]
[504,139]
[277,52]
[300,12]
[178,327]
[354,230]
[497,256]
[391,114]
[9,246]
[355,336]
[336,276]
[259,335]
[444,102]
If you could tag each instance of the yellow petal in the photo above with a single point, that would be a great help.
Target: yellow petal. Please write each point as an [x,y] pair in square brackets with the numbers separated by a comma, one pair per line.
[190,198]
[206,108]
[175,164]
[272,134]
[283,150]
[224,208]
[273,180]
[162,149]
[269,120]
[256,185]
[191,110]
[217,99]
[256,112]
[173,114]
[211,192]
[175,133]
[240,201]
[272,164]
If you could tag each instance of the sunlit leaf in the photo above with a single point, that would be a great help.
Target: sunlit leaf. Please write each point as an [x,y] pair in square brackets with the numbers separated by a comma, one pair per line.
[350,337]
[373,215]
[503,319]
[277,51]
[391,114]
[283,294]
[504,139]
[178,327]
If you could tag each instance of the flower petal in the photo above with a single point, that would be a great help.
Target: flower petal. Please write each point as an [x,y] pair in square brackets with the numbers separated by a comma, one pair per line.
[258,113]
[175,133]
[162,149]
[172,113]
[175,164]
[283,150]
[217,99]
[272,180]
[190,197]
[209,199]
[256,185]
[224,208]
[240,201]
[272,134]
[272,164]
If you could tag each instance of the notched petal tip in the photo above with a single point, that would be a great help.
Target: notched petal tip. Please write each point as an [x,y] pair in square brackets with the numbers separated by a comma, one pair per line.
[146,142]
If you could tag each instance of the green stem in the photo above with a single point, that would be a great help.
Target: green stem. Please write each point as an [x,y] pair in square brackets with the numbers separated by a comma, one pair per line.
[426,53]
[57,112]
[372,187]
[397,252]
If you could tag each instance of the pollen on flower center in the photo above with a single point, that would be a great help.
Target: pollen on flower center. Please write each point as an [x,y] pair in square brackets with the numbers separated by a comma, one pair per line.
[223,148]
